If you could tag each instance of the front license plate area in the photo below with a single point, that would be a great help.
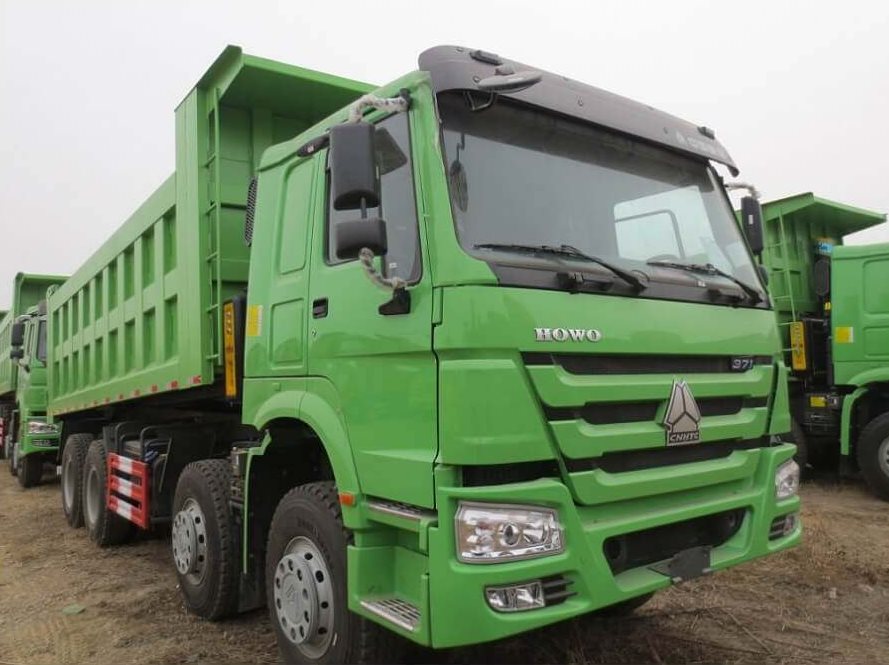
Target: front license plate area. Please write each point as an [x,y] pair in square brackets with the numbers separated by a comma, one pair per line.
[685,565]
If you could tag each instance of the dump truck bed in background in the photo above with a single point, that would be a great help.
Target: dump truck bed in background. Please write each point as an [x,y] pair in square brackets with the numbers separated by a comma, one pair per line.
[27,291]
[792,227]
[142,315]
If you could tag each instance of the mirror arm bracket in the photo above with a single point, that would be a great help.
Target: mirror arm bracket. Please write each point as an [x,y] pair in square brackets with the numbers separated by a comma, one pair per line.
[399,304]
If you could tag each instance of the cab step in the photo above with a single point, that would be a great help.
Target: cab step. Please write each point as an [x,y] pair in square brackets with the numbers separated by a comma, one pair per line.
[400,612]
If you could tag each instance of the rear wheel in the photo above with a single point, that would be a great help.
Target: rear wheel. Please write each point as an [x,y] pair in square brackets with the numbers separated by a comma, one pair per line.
[204,539]
[29,469]
[103,526]
[306,586]
[73,459]
[873,455]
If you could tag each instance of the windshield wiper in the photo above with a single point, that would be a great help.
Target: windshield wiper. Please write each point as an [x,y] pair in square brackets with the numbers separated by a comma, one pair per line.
[569,252]
[709,269]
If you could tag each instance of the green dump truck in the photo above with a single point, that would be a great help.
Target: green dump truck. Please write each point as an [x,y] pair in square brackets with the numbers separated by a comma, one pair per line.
[449,359]
[832,304]
[28,440]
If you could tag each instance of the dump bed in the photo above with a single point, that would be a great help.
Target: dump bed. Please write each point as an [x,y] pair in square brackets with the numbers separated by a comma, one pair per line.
[27,291]
[798,230]
[142,315]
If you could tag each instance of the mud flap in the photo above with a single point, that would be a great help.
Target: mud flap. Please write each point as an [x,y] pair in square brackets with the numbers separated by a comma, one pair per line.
[685,565]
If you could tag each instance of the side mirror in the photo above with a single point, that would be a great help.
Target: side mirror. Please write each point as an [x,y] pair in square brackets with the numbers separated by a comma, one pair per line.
[353,169]
[751,222]
[16,354]
[351,237]
[17,335]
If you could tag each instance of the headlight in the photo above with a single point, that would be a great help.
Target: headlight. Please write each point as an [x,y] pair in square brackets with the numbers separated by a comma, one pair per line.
[488,533]
[787,480]
[41,427]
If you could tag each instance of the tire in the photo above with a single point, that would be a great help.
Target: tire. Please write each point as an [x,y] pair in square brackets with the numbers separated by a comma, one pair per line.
[204,540]
[308,521]
[73,460]
[104,527]
[873,455]
[30,470]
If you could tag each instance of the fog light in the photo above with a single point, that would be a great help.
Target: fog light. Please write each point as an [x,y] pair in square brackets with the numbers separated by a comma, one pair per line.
[516,597]
[790,522]
[787,480]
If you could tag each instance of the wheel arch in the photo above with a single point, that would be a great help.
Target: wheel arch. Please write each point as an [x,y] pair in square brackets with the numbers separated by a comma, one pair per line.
[861,406]
[304,440]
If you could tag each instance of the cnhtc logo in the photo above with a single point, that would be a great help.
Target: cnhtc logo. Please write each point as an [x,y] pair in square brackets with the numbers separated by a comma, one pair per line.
[682,416]
[566,334]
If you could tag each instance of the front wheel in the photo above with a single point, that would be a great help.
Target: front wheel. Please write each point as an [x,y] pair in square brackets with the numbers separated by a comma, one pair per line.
[306,586]
[10,456]
[873,455]
[29,470]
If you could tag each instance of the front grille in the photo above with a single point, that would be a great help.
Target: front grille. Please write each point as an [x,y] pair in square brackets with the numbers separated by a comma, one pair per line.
[503,474]
[642,548]
[653,458]
[637,364]
[606,413]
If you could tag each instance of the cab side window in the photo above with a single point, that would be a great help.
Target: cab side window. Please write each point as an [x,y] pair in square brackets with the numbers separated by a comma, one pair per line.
[398,205]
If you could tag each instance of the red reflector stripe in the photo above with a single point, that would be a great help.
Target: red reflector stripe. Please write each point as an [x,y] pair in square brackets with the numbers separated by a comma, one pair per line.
[129,497]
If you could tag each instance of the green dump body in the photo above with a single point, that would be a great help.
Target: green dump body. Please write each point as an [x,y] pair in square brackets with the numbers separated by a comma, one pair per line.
[860,316]
[142,315]
[27,291]
[798,229]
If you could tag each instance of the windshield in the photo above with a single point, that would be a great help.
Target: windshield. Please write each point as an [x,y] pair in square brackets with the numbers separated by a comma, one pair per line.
[525,177]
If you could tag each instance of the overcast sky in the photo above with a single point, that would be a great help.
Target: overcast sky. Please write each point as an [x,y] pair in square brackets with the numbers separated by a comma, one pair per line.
[797,91]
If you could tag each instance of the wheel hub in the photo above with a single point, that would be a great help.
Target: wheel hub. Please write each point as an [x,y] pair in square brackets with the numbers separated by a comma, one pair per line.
[68,484]
[303,591]
[93,497]
[883,457]
[189,540]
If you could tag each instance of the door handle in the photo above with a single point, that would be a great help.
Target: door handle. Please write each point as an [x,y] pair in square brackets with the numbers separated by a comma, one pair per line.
[319,308]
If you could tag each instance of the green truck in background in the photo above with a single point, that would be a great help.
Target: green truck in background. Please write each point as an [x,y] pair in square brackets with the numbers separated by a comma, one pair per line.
[448,360]
[832,304]
[28,440]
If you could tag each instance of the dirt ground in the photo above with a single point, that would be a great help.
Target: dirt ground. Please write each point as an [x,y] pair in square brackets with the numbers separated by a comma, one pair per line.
[826,601]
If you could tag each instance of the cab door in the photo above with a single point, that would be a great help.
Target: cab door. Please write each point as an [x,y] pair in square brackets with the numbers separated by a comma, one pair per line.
[381,366]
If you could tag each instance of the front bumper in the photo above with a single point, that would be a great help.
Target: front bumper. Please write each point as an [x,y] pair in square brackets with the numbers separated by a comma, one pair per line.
[39,443]
[458,612]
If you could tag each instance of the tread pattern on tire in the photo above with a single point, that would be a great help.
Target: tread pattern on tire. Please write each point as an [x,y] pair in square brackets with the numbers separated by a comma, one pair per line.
[869,442]
[215,474]
[372,643]
[110,528]
[30,471]
[75,446]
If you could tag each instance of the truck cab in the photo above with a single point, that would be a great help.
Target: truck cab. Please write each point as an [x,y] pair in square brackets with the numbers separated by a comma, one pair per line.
[35,440]
[532,345]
